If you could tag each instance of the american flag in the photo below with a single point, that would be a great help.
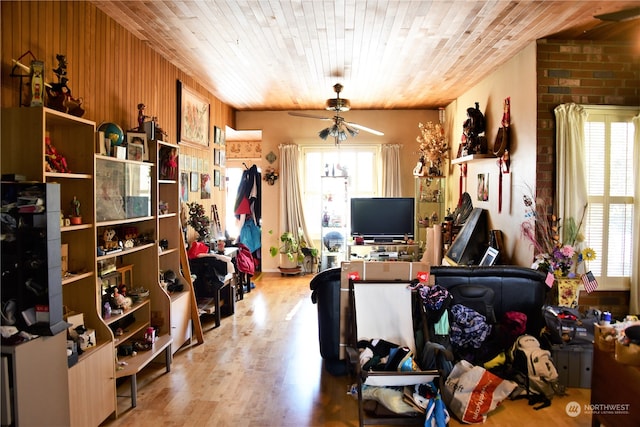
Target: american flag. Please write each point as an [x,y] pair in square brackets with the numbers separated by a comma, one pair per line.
[590,283]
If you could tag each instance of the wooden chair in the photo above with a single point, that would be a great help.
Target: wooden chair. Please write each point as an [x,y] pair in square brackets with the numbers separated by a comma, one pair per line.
[383,309]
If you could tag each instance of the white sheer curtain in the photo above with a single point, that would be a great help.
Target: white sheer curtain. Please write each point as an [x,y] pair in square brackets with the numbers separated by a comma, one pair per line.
[571,184]
[634,303]
[291,209]
[391,176]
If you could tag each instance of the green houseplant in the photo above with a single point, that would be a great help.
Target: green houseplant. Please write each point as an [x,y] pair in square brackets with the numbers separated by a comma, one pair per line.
[292,249]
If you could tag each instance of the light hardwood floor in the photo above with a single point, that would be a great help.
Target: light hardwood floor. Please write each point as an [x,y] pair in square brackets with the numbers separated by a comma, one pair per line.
[262,367]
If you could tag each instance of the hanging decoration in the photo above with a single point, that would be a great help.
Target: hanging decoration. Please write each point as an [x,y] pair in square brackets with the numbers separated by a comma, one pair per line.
[501,149]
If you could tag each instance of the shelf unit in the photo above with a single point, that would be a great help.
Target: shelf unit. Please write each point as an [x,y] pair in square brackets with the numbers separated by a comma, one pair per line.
[334,216]
[26,132]
[471,157]
[126,207]
[165,155]
[105,188]
[430,210]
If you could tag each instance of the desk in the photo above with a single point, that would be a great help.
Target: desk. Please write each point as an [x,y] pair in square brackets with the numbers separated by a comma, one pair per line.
[616,384]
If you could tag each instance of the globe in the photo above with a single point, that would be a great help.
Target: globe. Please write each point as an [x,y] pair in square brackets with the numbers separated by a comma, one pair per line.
[113,132]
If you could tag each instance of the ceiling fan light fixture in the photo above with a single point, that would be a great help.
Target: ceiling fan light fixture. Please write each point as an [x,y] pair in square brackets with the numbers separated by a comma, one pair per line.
[324,133]
[353,132]
[338,104]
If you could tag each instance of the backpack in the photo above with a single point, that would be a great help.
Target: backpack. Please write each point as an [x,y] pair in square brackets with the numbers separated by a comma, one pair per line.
[245,260]
[534,370]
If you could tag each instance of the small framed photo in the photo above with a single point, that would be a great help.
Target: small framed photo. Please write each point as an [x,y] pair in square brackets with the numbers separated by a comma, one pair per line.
[489,257]
[216,178]
[134,152]
[139,138]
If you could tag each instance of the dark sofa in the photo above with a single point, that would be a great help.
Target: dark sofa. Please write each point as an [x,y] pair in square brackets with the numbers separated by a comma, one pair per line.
[515,289]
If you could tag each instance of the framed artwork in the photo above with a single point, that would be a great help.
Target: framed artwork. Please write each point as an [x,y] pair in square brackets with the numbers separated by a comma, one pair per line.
[218,135]
[205,186]
[184,187]
[193,116]
[194,180]
[216,157]
[483,187]
[194,163]
[223,158]
[141,139]
[216,178]
[134,152]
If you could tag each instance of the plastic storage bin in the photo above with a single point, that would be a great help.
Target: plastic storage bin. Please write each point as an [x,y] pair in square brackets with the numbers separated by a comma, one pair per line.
[325,287]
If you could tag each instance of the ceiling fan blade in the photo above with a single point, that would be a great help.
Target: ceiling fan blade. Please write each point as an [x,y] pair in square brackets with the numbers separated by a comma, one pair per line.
[364,128]
[309,116]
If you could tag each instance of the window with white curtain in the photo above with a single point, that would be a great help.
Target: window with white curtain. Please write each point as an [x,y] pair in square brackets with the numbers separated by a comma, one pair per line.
[608,228]
[358,162]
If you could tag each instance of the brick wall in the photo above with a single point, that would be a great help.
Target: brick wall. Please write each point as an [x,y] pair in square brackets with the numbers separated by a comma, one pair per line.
[588,73]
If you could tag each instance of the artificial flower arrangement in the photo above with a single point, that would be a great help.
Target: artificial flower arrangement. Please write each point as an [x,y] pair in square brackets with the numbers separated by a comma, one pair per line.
[433,144]
[199,220]
[563,258]
[270,175]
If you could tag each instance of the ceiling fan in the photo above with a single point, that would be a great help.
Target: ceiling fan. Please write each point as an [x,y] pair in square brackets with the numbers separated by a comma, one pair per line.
[340,128]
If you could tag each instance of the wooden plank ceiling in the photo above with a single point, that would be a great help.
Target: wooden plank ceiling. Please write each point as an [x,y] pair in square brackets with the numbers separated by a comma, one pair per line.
[287,55]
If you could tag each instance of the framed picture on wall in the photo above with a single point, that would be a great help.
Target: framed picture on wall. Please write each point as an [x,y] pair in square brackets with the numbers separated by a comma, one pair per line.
[184,186]
[216,178]
[218,135]
[205,186]
[193,116]
[194,180]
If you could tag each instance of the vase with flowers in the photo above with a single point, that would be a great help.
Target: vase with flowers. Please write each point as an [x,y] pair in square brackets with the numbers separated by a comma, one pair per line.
[433,147]
[560,249]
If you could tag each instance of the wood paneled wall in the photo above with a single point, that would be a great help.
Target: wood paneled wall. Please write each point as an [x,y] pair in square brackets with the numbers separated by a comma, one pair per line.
[109,68]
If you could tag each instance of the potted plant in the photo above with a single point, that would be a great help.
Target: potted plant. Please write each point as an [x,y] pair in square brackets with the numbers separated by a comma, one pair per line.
[290,256]
[292,250]
[76,218]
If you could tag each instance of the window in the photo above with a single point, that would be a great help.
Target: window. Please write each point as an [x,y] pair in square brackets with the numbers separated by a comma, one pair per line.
[609,143]
[357,162]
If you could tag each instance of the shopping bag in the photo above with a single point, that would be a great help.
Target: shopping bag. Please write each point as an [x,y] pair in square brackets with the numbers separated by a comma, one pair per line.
[471,392]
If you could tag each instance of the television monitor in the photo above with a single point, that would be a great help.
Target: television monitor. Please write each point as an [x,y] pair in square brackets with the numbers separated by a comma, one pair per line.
[382,219]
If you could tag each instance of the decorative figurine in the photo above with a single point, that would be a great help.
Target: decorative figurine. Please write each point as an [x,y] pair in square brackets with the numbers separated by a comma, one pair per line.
[169,168]
[59,94]
[141,117]
[55,161]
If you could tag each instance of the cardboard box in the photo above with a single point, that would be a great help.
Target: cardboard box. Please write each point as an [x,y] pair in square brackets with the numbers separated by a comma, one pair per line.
[574,364]
[371,270]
